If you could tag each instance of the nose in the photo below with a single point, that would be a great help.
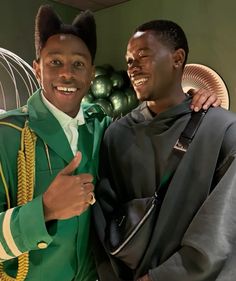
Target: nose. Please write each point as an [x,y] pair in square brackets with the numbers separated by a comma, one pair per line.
[67,72]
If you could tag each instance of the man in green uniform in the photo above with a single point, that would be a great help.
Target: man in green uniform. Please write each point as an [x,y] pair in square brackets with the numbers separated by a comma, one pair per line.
[46,185]
[193,238]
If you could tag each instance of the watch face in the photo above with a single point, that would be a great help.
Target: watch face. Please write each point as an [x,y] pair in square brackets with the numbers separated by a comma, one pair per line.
[198,76]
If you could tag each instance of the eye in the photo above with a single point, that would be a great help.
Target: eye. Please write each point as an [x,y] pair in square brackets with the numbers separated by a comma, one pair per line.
[78,64]
[129,61]
[143,54]
[55,62]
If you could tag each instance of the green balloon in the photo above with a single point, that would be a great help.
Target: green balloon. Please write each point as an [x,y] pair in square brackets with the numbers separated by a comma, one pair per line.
[89,98]
[101,86]
[119,103]
[99,70]
[106,105]
[125,78]
[109,68]
[117,80]
[131,98]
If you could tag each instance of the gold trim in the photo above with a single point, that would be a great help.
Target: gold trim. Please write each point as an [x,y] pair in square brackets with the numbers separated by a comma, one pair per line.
[6,229]
[11,125]
[48,157]
[3,253]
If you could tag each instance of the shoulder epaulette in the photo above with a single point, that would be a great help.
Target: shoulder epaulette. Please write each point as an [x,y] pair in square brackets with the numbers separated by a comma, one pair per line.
[8,118]
[15,112]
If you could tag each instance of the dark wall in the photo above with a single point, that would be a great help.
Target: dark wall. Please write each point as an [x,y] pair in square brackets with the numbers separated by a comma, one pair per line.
[17,24]
[17,36]
[210,26]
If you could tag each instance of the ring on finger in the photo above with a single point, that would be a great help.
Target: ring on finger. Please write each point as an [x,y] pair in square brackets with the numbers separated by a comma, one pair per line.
[92,198]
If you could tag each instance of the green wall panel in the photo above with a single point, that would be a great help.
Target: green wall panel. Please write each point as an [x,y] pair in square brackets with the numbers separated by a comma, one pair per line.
[17,24]
[209,25]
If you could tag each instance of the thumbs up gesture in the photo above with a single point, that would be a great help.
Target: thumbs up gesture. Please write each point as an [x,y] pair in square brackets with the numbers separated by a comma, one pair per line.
[68,195]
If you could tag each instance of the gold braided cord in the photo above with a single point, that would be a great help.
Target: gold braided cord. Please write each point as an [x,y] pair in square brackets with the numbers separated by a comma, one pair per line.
[30,138]
[26,176]
[21,185]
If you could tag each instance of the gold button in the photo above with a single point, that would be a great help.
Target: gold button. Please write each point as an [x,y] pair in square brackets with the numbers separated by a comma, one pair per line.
[42,245]
[24,109]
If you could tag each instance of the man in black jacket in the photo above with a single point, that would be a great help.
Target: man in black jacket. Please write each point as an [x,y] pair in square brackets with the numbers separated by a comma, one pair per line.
[194,235]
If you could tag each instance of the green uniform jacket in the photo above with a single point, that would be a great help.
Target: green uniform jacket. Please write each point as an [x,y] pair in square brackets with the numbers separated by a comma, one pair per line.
[67,255]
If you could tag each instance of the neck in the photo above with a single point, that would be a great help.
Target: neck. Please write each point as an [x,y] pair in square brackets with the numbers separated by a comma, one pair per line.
[166,102]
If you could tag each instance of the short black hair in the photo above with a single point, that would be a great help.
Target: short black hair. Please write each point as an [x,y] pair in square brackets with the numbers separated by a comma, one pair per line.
[48,23]
[169,33]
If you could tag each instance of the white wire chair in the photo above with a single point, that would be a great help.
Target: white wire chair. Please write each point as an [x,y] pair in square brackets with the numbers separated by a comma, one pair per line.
[17,80]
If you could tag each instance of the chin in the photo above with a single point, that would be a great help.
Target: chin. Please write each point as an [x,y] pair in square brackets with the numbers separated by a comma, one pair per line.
[142,98]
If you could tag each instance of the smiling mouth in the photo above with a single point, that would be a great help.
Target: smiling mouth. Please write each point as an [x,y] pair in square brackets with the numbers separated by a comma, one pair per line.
[66,90]
[139,82]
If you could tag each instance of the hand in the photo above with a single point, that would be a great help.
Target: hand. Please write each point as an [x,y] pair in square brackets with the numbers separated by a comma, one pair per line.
[203,99]
[144,278]
[68,195]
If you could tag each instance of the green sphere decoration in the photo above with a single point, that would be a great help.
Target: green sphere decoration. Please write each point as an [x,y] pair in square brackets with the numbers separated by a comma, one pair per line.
[89,97]
[112,90]
[131,98]
[109,68]
[119,103]
[126,79]
[101,86]
[117,80]
[99,70]
[106,106]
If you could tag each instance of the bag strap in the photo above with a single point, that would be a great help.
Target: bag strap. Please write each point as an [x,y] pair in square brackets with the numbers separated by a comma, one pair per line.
[178,151]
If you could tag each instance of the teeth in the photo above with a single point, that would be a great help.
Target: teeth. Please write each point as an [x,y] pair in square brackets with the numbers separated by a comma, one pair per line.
[139,82]
[65,89]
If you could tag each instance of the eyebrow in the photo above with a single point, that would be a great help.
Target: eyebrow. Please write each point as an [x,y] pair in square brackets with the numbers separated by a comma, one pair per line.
[60,53]
[144,49]
[141,49]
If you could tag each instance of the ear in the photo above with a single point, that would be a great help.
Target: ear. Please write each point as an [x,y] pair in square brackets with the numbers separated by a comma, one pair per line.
[37,72]
[178,58]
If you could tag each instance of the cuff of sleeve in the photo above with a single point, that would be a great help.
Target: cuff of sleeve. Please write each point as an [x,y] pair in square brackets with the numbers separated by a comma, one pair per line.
[32,225]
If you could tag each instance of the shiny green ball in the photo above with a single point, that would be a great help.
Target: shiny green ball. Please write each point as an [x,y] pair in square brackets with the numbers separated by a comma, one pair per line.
[106,106]
[101,86]
[119,103]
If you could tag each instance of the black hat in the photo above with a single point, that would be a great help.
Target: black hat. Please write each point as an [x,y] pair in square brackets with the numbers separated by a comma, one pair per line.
[48,23]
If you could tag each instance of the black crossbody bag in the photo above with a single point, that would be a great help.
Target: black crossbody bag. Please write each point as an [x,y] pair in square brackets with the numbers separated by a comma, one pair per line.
[130,229]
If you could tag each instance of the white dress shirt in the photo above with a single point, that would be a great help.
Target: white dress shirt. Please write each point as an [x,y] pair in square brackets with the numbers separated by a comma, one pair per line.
[68,124]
